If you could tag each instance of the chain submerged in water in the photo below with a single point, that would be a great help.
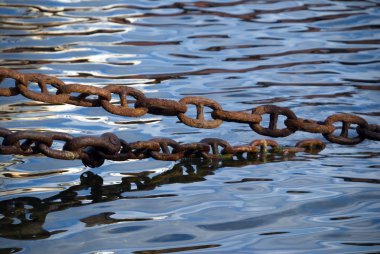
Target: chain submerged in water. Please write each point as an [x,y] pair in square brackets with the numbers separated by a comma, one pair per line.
[143,105]
[93,150]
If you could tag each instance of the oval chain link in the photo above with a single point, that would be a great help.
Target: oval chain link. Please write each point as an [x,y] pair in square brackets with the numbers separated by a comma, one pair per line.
[343,137]
[123,109]
[372,131]
[84,92]
[11,74]
[42,80]
[199,121]
[166,154]
[274,112]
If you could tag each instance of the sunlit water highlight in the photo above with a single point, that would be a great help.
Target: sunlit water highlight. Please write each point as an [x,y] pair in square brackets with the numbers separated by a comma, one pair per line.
[316,57]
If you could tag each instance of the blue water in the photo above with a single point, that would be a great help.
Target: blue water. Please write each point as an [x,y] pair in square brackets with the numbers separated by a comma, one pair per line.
[316,57]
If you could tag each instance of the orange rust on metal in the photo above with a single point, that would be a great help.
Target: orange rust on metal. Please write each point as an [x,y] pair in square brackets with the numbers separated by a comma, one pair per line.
[165,107]
[16,76]
[141,149]
[264,143]
[309,125]
[274,112]
[200,121]
[108,143]
[236,116]
[346,120]
[46,149]
[191,149]
[93,150]
[242,149]
[288,150]
[215,143]
[311,144]
[166,155]
[42,81]
[123,109]
[124,154]
[84,91]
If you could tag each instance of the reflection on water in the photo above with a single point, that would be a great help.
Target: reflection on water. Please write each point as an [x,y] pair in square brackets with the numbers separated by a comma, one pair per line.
[23,217]
[317,57]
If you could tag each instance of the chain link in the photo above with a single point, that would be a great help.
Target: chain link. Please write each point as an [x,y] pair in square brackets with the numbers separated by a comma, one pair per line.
[200,121]
[43,81]
[346,120]
[94,150]
[143,105]
[123,109]
[372,131]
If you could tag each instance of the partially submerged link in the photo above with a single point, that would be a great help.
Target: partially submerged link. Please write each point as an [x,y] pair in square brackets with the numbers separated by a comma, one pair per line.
[94,150]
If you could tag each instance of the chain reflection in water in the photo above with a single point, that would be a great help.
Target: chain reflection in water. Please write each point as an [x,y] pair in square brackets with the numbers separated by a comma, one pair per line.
[24,217]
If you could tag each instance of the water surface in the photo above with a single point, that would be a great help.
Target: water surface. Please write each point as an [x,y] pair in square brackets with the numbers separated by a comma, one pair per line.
[315,57]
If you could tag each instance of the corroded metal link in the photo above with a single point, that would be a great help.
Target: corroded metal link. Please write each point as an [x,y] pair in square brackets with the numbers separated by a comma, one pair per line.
[4,132]
[11,142]
[241,149]
[291,150]
[124,154]
[108,143]
[84,91]
[346,120]
[162,106]
[274,112]
[309,125]
[123,109]
[90,148]
[6,149]
[200,121]
[166,154]
[311,145]
[48,151]
[143,149]
[215,143]
[29,136]
[262,144]
[236,116]
[16,76]
[193,149]
[43,95]
[372,131]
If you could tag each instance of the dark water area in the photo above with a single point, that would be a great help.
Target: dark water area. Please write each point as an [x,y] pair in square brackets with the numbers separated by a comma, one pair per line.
[316,57]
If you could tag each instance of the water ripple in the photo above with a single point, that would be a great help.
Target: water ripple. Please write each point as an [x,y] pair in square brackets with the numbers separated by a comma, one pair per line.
[316,57]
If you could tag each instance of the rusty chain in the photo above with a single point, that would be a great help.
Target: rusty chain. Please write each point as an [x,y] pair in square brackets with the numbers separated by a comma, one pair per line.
[90,96]
[94,150]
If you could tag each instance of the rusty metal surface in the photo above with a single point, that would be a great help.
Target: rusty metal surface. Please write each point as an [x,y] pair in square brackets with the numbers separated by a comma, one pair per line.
[94,150]
[143,105]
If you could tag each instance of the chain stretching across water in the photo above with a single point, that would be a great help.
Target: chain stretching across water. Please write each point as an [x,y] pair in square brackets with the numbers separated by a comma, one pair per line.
[93,150]
[65,94]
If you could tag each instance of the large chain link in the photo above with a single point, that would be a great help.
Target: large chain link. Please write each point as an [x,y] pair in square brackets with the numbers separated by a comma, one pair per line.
[94,150]
[23,84]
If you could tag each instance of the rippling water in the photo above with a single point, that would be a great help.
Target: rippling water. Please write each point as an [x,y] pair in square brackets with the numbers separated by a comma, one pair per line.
[316,57]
